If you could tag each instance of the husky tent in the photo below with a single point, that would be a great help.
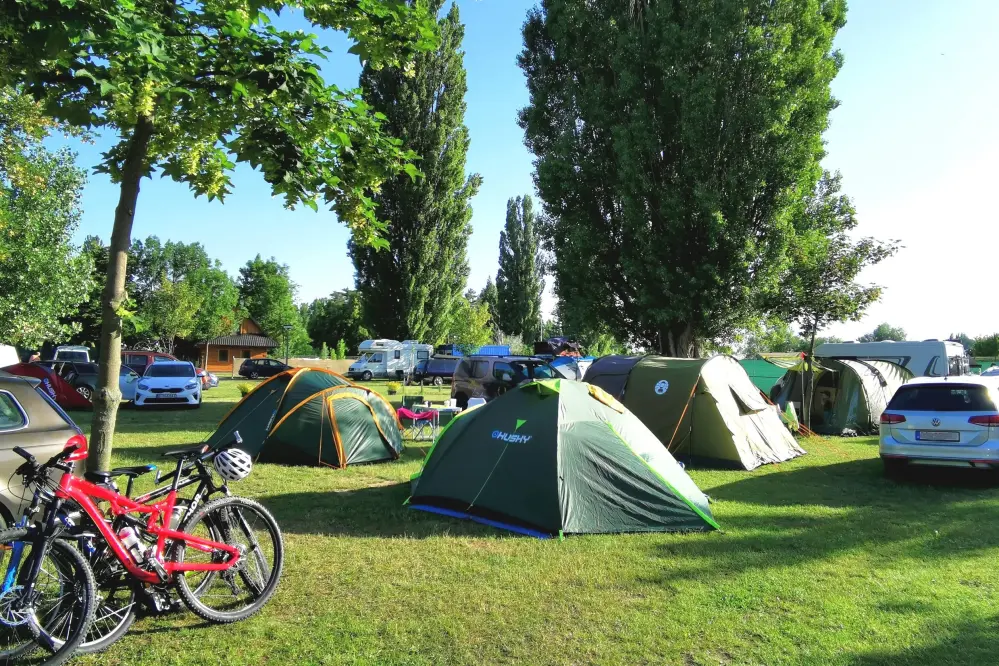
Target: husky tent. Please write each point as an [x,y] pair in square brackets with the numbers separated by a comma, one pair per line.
[310,416]
[702,410]
[848,397]
[558,457]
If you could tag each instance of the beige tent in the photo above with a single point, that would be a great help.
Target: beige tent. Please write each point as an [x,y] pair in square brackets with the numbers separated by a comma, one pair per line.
[702,410]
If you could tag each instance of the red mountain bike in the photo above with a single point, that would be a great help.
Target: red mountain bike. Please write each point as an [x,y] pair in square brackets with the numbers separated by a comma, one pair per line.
[224,560]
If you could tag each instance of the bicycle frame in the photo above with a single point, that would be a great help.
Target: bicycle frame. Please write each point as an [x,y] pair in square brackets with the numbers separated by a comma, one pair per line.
[159,514]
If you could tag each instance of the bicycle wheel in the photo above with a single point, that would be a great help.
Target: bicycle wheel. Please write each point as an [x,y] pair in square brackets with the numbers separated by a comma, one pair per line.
[56,614]
[239,592]
[114,615]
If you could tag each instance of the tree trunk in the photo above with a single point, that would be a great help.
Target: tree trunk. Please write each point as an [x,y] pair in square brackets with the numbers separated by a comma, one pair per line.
[680,342]
[107,396]
[809,379]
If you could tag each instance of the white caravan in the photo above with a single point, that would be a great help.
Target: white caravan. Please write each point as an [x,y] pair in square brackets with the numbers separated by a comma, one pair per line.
[388,358]
[931,358]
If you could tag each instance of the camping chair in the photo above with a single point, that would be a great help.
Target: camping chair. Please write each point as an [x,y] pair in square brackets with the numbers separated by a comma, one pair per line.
[422,425]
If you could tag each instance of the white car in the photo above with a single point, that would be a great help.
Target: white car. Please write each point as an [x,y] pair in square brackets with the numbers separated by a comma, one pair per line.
[942,421]
[169,383]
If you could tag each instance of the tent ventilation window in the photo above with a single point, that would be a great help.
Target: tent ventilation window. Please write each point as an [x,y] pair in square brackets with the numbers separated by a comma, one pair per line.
[744,406]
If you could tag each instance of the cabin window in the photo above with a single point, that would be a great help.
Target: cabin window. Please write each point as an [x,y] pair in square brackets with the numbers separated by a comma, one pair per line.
[223,356]
[398,354]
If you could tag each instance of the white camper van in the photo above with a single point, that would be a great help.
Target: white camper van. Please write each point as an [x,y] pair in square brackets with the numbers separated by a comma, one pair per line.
[388,358]
[931,358]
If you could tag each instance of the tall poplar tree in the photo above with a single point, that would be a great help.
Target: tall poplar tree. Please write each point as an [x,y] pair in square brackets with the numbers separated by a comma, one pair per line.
[673,146]
[410,289]
[520,279]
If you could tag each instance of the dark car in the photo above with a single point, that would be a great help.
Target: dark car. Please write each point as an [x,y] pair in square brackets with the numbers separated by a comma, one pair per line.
[29,419]
[255,368]
[491,376]
[436,370]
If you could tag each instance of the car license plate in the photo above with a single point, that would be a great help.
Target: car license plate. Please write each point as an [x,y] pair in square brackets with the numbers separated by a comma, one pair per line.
[938,436]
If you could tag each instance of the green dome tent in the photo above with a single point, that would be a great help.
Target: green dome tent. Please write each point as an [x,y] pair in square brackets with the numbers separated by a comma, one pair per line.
[554,457]
[702,410]
[848,397]
[311,416]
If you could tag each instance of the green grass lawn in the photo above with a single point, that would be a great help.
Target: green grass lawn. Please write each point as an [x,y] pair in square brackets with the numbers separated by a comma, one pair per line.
[821,561]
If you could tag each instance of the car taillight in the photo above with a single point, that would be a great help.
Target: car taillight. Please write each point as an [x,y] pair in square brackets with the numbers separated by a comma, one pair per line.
[985,420]
[80,442]
[889,419]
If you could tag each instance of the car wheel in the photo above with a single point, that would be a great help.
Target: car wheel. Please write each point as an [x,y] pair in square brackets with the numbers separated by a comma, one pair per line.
[366,375]
[85,391]
[894,467]
[438,381]
[254,375]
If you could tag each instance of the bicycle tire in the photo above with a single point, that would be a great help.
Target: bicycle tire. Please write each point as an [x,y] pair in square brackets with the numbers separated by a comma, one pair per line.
[97,639]
[212,515]
[84,594]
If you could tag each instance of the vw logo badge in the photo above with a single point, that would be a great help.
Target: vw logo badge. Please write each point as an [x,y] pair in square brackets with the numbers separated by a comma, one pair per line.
[935,422]
[662,386]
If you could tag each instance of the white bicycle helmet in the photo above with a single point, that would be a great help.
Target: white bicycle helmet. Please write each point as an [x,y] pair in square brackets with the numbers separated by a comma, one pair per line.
[233,464]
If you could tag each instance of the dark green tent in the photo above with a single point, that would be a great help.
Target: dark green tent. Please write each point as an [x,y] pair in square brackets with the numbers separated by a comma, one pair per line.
[554,457]
[311,416]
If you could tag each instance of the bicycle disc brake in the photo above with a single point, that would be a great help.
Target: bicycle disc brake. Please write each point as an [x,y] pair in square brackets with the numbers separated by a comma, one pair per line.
[13,612]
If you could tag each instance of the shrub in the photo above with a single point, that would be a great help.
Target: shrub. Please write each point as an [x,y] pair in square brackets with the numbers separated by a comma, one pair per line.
[393,387]
[341,349]
[324,352]
[244,389]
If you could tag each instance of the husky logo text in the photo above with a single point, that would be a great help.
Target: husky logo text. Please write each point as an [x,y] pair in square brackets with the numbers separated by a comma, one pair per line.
[513,437]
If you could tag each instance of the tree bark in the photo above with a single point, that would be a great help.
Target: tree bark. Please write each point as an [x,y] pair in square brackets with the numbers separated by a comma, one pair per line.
[108,396]
[680,342]
[809,378]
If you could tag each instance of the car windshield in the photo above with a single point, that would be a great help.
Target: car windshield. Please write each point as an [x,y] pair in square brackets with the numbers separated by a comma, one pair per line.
[942,398]
[362,358]
[542,371]
[170,370]
[72,356]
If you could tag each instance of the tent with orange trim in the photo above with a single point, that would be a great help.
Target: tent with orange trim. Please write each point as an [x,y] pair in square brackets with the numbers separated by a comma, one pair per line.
[311,416]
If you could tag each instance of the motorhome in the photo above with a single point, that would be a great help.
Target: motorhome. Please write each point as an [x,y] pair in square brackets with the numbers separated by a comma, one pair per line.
[930,358]
[388,358]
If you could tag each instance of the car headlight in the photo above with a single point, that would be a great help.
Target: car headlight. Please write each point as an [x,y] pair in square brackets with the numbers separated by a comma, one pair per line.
[191,386]
[143,387]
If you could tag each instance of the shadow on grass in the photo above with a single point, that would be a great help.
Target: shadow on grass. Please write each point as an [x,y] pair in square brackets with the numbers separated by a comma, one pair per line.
[966,643]
[375,511]
[815,513]
[857,483]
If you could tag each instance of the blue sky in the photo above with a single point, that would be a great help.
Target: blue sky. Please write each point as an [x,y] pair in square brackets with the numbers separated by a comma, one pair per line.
[914,137]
